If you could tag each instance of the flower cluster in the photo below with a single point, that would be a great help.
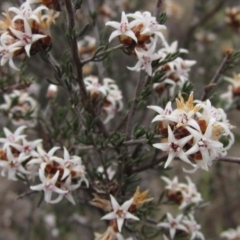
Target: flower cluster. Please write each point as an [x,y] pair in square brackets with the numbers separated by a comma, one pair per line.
[20,108]
[233,90]
[231,234]
[25,30]
[15,152]
[20,158]
[139,37]
[175,72]
[118,213]
[182,194]
[182,225]
[195,132]
[109,91]
[58,175]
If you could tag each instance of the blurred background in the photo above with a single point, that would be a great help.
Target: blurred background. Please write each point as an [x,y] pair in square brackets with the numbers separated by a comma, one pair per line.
[200,27]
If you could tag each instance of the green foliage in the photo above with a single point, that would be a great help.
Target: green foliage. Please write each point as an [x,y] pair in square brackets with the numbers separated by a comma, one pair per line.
[162,18]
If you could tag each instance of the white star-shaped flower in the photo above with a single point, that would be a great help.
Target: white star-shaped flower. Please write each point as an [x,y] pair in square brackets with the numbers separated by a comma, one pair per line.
[69,187]
[171,184]
[145,59]
[72,163]
[193,228]
[122,28]
[173,224]
[48,185]
[12,137]
[26,12]
[40,156]
[7,50]
[26,37]
[174,147]
[13,165]
[120,213]
[26,147]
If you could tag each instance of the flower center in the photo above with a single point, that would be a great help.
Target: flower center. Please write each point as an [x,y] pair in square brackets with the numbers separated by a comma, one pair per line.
[203,144]
[153,25]
[48,186]
[26,38]
[174,147]
[120,213]
[146,60]
[124,27]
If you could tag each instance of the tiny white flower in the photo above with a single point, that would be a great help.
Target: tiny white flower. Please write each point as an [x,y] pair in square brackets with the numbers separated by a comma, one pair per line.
[13,165]
[40,156]
[173,224]
[12,137]
[27,38]
[93,86]
[122,28]
[205,145]
[26,147]
[145,59]
[193,228]
[48,185]
[72,163]
[26,12]
[7,50]
[120,213]
[150,24]
[174,147]
[171,184]
[164,114]
[68,187]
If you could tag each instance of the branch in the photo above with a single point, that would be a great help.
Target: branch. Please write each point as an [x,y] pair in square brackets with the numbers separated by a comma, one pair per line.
[216,77]
[18,86]
[230,160]
[134,106]
[78,65]
[26,194]
[100,66]
[126,143]
[97,55]
[158,7]
[151,164]
[74,49]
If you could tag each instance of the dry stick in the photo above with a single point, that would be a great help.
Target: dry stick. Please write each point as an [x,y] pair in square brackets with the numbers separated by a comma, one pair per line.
[217,76]
[78,66]
[202,21]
